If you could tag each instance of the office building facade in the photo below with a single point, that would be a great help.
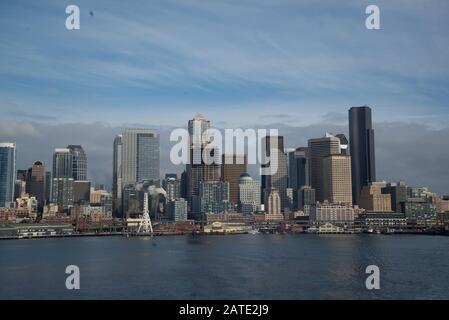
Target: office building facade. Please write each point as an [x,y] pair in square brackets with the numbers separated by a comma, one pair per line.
[249,194]
[319,149]
[337,187]
[214,197]
[361,146]
[279,179]
[232,167]
[7,174]
[79,162]
[373,199]
[36,183]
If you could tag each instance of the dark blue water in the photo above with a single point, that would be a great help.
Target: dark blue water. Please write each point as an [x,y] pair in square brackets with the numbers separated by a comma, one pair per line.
[227,267]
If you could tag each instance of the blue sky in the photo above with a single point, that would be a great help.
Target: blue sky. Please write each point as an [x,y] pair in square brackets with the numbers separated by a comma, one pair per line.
[288,64]
[240,62]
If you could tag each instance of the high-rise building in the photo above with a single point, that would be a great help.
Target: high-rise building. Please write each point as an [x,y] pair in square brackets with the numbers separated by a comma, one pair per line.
[319,149]
[117,187]
[79,162]
[81,192]
[48,182]
[214,197]
[177,210]
[372,198]
[337,187]
[63,193]
[361,141]
[249,194]
[19,188]
[298,171]
[232,167]
[184,185]
[62,182]
[35,184]
[62,163]
[273,202]
[278,180]
[140,155]
[173,188]
[136,157]
[398,194]
[197,170]
[7,173]
[306,197]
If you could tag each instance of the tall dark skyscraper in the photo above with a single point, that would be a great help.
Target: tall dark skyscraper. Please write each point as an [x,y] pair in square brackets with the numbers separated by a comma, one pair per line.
[361,144]
[35,184]
[298,171]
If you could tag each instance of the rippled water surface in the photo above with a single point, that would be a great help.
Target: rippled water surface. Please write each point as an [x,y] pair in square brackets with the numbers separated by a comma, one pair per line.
[227,267]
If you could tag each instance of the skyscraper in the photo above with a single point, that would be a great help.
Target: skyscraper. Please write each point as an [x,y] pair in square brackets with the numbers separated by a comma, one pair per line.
[7,174]
[62,163]
[233,165]
[136,157]
[81,192]
[319,149]
[79,162]
[117,187]
[197,170]
[48,182]
[140,155]
[173,188]
[361,143]
[63,194]
[35,184]
[249,194]
[298,171]
[273,202]
[337,186]
[177,210]
[306,197]
[62,183]
[278,180]
[214,196]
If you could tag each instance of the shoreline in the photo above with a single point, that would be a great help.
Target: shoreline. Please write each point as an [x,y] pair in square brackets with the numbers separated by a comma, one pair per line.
[165,234]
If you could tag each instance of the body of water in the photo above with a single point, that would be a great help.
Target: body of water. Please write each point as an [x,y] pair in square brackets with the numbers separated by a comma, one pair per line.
[227,267]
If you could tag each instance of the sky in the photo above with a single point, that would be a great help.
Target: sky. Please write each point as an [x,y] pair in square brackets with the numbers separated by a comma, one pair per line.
[293,65]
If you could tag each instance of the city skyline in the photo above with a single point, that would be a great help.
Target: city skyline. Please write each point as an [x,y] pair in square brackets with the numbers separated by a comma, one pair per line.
[289,135]
[293,65]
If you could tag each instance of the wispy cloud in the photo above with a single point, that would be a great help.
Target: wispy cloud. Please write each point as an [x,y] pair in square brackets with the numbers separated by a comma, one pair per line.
[170,55]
